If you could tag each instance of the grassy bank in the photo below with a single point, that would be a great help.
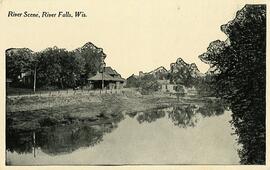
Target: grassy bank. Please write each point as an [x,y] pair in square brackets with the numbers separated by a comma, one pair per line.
[31,112]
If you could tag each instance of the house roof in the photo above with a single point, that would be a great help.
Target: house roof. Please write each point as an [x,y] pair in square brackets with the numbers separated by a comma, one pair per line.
[119,79]
[27,73]
[110,71]
[98,76]
[106,76]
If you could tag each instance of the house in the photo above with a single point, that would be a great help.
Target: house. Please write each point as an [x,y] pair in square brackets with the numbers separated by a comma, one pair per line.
[27,78]
[112,79]
[167,87]
[192,91]
[8,82]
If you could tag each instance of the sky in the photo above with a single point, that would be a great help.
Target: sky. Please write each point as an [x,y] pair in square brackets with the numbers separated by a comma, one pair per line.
[136,35]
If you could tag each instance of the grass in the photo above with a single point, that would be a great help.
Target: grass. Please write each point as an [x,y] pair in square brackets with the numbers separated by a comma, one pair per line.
[30,112]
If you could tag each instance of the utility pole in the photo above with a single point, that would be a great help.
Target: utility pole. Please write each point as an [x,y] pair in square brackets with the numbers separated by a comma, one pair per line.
[102,69]
[34,143]
[102,79]
[35,78]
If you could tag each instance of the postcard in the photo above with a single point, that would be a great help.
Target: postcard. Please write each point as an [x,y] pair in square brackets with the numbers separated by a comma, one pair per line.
[134,84]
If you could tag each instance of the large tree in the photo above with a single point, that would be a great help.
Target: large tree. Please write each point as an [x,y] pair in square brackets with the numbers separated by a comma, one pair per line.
[92,56]
[240,64]
[72,69]
[18,61]
[148,84]
[59,67]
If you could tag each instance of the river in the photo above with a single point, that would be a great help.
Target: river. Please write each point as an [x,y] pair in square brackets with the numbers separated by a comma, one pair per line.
[184,134]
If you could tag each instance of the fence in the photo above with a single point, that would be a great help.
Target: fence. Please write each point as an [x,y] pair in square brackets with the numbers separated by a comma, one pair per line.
[65,92]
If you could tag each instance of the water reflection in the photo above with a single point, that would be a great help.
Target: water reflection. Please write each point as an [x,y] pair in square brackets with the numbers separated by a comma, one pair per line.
[150,115]
[183,116]
[66,138]
[59,139]
[20,142]
[212,108]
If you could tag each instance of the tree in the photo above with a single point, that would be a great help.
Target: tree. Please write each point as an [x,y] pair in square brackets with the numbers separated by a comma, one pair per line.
[241,65]
[133,81]
[72,69]
[182,76]
[18,61]
[148,84]
[92,56]
[54,67]
[50,68]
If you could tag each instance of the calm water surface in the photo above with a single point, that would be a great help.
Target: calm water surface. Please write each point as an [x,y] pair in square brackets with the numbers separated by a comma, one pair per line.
[185,134]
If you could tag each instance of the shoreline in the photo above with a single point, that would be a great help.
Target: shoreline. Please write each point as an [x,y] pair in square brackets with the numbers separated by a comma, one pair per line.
[32,112]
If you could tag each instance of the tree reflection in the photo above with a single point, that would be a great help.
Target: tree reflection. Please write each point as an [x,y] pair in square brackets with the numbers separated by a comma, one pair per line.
[67,139]
[187,115]
[20,142]
[183,116]
[60,139]
[212,108]
[150,116]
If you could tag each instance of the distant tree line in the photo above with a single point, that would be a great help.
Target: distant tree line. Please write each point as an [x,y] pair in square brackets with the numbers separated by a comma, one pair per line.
[182,74]
[240,63]
[146,84]
[54,67]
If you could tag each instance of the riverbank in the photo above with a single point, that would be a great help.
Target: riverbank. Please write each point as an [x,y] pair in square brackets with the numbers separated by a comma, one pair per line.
[32,112]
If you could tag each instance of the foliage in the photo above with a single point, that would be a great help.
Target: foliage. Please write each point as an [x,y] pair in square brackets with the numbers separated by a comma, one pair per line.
[55,67]
[183,116]
[206,86]
[148,84]
[92,56]
[72,69]
[183,76]
[241,65]
[133,81]
[49,66]
[17,62]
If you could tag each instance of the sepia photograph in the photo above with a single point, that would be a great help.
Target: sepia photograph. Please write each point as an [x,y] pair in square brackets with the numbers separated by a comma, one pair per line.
[135,83]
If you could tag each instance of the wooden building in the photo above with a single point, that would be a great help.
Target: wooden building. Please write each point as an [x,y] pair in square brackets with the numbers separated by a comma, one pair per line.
[112,79]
